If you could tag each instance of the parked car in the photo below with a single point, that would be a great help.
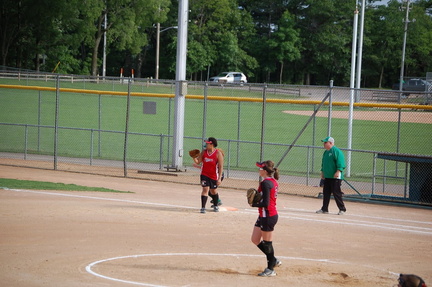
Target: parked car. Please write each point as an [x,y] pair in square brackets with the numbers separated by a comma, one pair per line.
[229,77]
[414,85]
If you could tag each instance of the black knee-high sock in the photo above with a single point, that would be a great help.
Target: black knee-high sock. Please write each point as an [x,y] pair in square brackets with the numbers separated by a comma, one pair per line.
[269,252]
[261,247]
[203,201]
[215,199]
[211,195]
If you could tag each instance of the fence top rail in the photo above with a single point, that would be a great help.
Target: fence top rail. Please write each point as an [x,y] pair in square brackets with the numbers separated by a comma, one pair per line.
[218,98]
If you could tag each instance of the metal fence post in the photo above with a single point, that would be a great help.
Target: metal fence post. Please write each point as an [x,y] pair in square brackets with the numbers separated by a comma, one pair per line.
[406,181]
[25,141]
[204,127]
[307,165]
[39,119]
[56,121]
[99,124]
[126,130]
[169,128]
[374,173]
[330,109]
[313,139]
[91,146]
[229,157]
[238,133]
[161,151]
[264,98]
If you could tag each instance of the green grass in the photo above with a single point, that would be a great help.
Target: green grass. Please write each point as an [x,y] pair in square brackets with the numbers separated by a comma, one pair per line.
[43,185]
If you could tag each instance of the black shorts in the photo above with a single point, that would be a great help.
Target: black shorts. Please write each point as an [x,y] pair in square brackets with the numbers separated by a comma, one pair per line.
[267,223]
[207,181]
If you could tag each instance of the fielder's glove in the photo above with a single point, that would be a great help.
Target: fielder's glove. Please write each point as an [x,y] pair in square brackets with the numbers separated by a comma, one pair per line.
[253,196]
[194,153]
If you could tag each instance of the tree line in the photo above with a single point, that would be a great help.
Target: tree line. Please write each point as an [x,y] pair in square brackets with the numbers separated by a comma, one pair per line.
[273,41]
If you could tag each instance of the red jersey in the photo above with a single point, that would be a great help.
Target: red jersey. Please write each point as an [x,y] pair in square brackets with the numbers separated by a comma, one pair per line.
[269,189]
[209,166]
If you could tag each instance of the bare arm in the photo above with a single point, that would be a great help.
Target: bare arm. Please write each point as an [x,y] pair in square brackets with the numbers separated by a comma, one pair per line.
[220,166]
[197,161]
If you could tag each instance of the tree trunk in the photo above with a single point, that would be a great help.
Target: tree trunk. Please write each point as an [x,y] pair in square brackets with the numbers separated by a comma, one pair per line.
[95,56]
[139,63]
[98,38]
[381,77]
[281,72]
[307,79]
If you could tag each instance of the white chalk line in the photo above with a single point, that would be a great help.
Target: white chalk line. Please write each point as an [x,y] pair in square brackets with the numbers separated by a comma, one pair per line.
[91,265]
[344,219]
[312,217]
[373,217]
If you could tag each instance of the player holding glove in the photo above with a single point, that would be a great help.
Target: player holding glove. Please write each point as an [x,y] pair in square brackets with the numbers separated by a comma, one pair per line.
[262,234]
[211,172]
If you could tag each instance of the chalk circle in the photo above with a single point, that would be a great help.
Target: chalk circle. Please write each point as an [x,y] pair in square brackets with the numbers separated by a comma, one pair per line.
[198,269]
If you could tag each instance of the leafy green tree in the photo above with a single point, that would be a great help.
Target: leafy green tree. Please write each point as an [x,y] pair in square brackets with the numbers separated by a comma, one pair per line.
[217,33]
[419,41]
[383,49]
[266,15]
[32,29]
[382,46]
[326,33]
[126,20]
[285,42]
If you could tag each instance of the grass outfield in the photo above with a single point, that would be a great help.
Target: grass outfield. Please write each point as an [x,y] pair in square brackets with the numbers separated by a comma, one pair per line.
[226,120]
[43,185]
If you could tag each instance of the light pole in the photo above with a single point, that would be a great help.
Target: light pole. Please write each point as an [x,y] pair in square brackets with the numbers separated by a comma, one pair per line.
[360,51]
[158,31]
[404,44]
[181,85]
[352,83]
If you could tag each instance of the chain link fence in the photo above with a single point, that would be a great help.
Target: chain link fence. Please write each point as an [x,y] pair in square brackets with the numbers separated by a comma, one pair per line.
[124,127]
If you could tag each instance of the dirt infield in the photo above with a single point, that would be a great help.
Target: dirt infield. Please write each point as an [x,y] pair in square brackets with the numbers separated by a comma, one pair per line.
[155,236]
[384,116]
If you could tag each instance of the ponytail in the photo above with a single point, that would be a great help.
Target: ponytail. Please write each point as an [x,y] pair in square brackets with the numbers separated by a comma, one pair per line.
[270,169]
[276,173]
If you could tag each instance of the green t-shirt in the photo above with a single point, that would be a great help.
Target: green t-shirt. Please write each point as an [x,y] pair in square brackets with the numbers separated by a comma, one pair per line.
[332,160]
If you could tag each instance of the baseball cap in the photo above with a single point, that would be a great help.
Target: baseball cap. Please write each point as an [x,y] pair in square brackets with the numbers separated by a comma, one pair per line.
[260,164]
[328,139]
[211,140]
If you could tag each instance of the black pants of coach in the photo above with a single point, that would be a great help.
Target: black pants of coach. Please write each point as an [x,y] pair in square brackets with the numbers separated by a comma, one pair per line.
[332,186]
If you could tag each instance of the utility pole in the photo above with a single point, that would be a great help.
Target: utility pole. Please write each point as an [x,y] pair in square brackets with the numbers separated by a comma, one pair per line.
[406,21]
[157,50]
[104,47]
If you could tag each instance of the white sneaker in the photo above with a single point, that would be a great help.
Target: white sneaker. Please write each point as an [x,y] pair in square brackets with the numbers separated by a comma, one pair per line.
[216,208]
[202,210]
[341,212]
[321,211]
[278,263]
[267,273]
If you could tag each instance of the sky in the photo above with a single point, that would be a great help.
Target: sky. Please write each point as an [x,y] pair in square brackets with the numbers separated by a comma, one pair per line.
[382,2]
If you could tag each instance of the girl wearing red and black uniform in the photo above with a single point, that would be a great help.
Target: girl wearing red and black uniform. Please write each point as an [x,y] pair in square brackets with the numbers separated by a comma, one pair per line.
[211,163]
[262,234]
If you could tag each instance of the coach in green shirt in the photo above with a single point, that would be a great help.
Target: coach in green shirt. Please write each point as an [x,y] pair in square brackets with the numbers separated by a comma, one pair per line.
[332,167]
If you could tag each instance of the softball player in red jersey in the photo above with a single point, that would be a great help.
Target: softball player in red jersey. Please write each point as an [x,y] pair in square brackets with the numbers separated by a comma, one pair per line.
[262,234]
[211,160]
